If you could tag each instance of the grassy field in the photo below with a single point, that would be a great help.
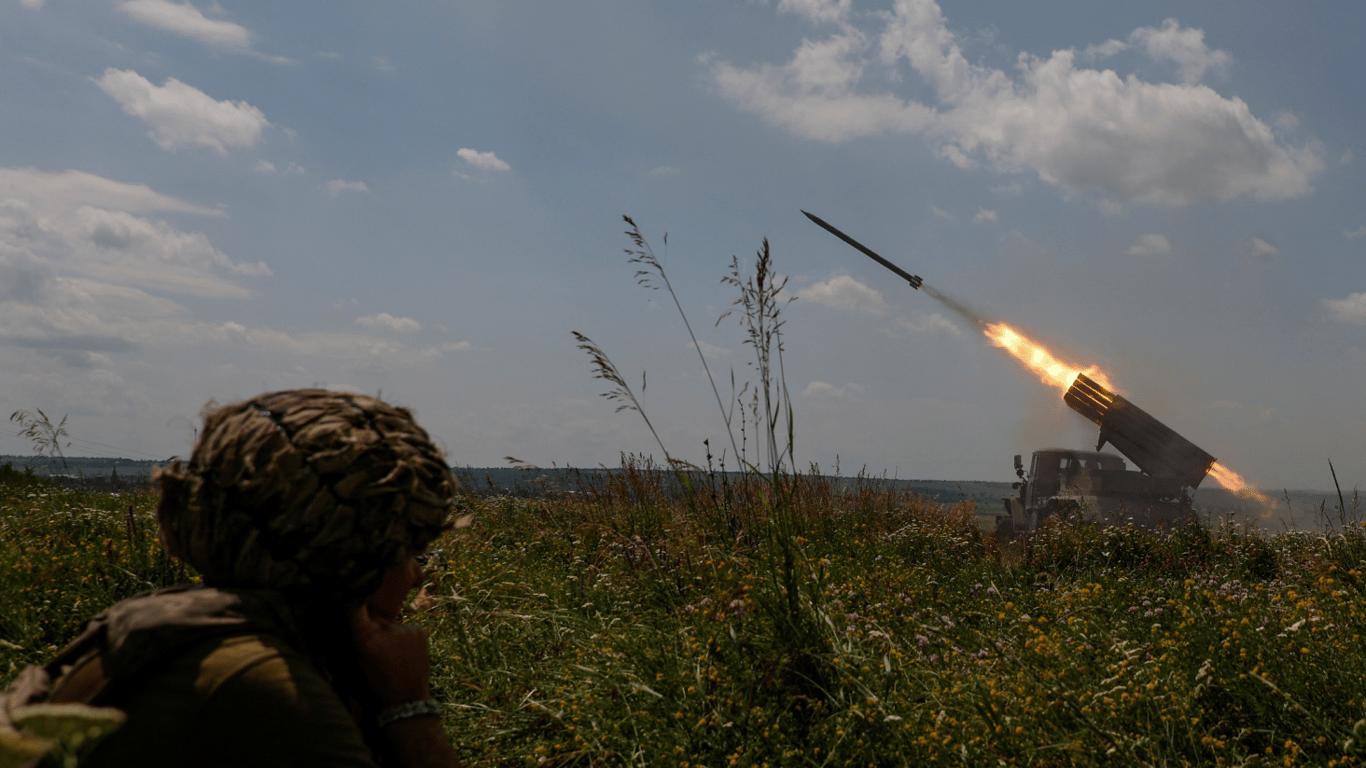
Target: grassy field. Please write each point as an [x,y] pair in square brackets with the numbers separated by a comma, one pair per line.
[762,623]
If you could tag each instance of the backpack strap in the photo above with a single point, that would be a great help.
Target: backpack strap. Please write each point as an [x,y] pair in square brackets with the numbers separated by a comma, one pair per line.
[81,682]
[76,675]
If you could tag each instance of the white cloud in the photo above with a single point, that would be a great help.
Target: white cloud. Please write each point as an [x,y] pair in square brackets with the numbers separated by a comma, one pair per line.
[338,186]
[1347,157]
[985,215]
[185,19]
[925,322]
[120,248]
[383,64]
[264,166]
[388,322]
[813,95]
[1260,247]
[328,55]
[85,225]
[823,391]
[940,213]
[1355,233]
[1185,46]
[181,114]
[1164,143]
[70,189]
[34,4]
[1349,310]
[846,293]
[1103,51]
[710,350]
[487,161]
[441,350]
[820,11]
[80,269]
[1149,245]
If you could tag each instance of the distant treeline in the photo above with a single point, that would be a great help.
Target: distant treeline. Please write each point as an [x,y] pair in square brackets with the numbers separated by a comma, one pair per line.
[83,466]
[1294,508]
[1303,508]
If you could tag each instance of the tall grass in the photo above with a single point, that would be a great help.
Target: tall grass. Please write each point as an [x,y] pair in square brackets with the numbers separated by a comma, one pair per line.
[65,555]
[624,628]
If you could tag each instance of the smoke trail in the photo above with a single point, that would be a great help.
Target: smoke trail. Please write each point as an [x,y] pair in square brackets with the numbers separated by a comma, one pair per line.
[958,307]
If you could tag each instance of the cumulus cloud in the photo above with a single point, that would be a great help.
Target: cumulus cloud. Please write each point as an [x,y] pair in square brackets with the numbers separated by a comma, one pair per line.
[1103,51]
[71,189]
[1075,127]
[181,114]
[388,322]
[34,4]
[1349,310]
[820,390]
[185,19]
[1149,245]
[1355,233]
[338,186]
[441,350]
[79,266]
[984,216]
[1184,46]
[845,293]
[940,213]
[820,11]
[486,161]
[119,247]
[1261,248]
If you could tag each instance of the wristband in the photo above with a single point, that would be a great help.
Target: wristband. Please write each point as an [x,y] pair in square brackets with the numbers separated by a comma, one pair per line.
[410,709]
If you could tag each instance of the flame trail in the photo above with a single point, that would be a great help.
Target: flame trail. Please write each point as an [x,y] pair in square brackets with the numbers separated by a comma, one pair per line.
[1234,482]
[1038,359]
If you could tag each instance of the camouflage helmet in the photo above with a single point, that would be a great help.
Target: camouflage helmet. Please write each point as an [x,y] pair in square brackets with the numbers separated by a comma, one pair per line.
[306,491]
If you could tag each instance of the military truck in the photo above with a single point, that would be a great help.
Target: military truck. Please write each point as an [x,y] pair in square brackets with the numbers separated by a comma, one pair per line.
[1098,486]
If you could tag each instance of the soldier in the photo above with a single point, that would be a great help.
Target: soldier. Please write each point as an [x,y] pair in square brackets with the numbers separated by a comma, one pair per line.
[303,511]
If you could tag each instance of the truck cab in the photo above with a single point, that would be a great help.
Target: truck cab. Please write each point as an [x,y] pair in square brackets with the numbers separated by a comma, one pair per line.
[1096,486]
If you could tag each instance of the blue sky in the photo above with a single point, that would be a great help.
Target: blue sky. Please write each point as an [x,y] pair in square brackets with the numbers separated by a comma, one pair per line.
[209,200]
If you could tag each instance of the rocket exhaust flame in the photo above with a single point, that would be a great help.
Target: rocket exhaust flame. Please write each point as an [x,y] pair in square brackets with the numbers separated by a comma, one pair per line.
[1232,481]
[1038,359]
